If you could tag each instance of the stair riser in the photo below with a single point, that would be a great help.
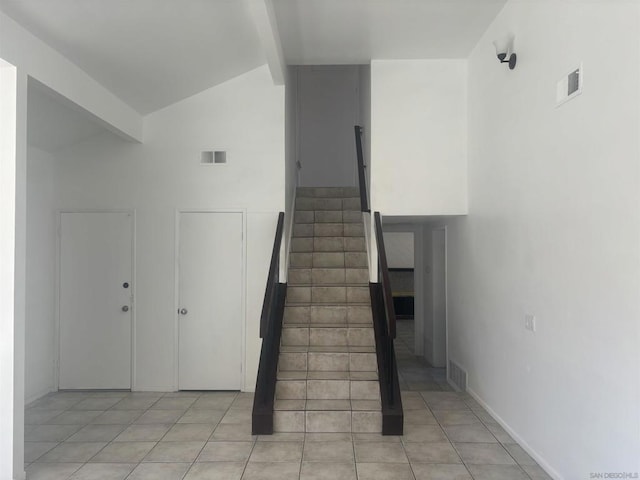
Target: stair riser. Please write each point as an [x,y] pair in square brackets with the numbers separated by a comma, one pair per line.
[329,260]
[328,244]
[320,361]
[327,422]
[323,294]
[328,276]
[327,204]
[327,390]
[328,337]
[332,315]
[327,192]
[323,217]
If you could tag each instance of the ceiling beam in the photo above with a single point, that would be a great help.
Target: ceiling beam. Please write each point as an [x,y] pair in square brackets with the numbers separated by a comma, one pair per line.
[264,18]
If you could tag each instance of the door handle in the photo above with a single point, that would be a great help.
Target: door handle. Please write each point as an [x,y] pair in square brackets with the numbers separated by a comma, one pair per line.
[125,308]
[183,311]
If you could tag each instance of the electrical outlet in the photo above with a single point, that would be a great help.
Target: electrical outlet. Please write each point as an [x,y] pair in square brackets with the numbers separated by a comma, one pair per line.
[530,322]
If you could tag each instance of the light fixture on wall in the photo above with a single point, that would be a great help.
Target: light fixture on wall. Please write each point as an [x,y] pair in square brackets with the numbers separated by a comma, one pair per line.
[504,51]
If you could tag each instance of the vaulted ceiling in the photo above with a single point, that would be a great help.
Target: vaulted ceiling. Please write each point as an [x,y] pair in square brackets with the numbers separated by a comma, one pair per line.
[152,53]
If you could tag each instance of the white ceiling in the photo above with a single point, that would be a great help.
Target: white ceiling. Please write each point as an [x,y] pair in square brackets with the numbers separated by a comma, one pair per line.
[354,31]
[150,53]
[52,124]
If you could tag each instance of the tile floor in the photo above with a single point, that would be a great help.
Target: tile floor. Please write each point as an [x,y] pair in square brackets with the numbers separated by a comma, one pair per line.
[414,372]
[193,435]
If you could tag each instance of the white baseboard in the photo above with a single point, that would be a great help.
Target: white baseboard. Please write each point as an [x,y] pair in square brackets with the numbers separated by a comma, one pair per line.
[151,388]
[522,442]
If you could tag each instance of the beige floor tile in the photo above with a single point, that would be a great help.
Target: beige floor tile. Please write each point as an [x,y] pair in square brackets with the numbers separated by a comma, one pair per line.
[117,417]
[36,416]
[384,471]
[276,452]
[103,471]
[98,403]
[34,450]
[272,471]
[193,415]
[431,453]
[469,433]
[214,401]
[423,433]
[456,417]
[497,472]
[484,454]
[376,437]
[419,417]
[282,437]
[336,451]
[226,452]
[51,471]
[424,471]
[232,433]
[536,472]
[72,452]
[97,433]
[159,416]
[159,471]
[216,471]
[189,432]
[174,403]
[135,403]
[143,433]
[500,433]
[174,452]
[328,471]
[519,455]
[328,437]
[74,417]
[123,452]
[379,452]
[236,416]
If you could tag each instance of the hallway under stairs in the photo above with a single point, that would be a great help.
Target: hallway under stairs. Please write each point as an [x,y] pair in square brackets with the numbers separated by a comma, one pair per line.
[327,378]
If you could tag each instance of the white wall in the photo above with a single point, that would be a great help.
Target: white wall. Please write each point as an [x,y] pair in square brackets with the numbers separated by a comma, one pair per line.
[291,168]
[399,249]
[13,142]
[328,108]
[41,266]
[245,117]
[553,230]
[418,137]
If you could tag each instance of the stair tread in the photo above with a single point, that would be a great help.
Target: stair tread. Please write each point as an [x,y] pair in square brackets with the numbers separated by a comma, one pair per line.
[327,349]
[357,376]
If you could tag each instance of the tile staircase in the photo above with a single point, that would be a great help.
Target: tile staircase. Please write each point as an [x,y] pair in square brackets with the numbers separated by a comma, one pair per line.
[327,371]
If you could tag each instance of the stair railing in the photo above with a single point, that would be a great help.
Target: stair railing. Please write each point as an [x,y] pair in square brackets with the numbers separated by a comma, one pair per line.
[364,200]
[384,317]
[270,332]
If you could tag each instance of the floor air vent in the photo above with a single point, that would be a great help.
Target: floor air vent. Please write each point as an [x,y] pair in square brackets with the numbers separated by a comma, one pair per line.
[458,376]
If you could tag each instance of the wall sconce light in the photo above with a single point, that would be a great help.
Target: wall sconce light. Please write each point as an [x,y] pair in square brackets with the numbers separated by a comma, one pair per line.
[504,51]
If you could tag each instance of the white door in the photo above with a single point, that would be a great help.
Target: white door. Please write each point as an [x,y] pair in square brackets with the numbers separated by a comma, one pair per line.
[210,301]
[95,300]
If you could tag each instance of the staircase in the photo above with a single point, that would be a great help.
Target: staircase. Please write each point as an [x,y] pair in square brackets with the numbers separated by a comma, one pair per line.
[327,379]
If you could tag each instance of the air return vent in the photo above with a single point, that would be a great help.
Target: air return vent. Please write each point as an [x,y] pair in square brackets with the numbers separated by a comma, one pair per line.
[213,157]
[457,376]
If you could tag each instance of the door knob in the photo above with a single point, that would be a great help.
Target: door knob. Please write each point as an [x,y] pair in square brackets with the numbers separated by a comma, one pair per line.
[183,311]
[125,308]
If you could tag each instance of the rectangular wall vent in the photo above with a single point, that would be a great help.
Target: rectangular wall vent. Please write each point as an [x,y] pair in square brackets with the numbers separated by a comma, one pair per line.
[213,157]
[457,376]
[569,87]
